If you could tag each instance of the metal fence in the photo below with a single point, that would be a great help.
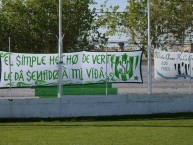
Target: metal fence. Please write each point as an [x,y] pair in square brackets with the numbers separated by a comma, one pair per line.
[181,85]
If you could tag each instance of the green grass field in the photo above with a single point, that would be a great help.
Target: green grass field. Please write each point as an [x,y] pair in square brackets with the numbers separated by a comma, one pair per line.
[151,130]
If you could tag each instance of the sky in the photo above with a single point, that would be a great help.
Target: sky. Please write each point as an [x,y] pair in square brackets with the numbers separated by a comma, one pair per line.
[122,4]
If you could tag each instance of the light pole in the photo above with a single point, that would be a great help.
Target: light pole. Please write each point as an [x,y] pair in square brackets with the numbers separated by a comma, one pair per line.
[149,52]
[60,51]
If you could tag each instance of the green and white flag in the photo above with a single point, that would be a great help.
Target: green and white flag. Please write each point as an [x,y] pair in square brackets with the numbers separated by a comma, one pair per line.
[29,70]
[125,66]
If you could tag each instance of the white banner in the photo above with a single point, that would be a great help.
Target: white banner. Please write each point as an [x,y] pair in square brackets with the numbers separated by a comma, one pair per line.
[78,68]
[173,65]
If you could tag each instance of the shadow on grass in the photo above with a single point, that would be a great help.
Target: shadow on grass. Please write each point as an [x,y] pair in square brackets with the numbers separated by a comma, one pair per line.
[96,125]
[178,116]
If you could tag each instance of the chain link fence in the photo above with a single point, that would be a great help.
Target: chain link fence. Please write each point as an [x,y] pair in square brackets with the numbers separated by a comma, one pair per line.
[182,85]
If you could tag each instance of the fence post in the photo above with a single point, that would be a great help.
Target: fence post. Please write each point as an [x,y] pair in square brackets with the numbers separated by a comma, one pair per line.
[149,53]
[106,74]
[190,63]
[60,51]
[10,81]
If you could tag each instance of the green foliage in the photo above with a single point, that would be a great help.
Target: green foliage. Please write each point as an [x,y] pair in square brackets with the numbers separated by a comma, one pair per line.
[171,22]
[33,25]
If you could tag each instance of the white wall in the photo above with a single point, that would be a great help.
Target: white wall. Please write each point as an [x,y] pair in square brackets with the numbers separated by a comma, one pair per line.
[74,106]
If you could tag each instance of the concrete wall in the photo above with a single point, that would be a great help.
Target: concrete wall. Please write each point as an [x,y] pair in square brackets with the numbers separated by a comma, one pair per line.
[74,106]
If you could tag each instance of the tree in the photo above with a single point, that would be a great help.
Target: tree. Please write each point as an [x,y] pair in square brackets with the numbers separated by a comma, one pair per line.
[171,22]
[33,25]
